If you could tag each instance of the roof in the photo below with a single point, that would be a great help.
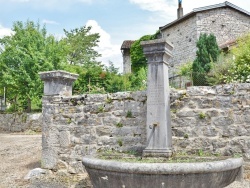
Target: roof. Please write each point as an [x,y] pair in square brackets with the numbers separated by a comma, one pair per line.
[228,44]
[127,44]
[201,9]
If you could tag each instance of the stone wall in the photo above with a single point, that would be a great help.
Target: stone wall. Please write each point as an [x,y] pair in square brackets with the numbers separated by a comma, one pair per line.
[225,23]
[20,122]
[204,119]
[214,119]
[82,125]
[183,36]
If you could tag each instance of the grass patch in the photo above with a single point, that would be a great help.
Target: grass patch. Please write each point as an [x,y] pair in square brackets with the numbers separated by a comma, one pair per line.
[119,125]
[129,114]
[134,157]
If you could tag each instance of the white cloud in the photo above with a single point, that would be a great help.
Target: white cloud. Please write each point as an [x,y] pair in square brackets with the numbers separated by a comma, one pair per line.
[5,31]
[163,8]
[156,5]
[50,22]
[109,51]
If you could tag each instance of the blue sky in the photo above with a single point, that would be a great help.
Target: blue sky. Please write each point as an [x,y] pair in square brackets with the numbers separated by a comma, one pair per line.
[115,20]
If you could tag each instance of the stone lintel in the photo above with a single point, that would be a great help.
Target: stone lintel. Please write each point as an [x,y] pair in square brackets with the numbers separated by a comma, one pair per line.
[58,82]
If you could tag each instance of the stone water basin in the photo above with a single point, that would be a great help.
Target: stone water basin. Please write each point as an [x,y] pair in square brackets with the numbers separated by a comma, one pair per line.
[115,174]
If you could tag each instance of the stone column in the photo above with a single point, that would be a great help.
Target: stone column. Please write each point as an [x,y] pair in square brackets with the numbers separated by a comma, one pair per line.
[56,85]
[159,134]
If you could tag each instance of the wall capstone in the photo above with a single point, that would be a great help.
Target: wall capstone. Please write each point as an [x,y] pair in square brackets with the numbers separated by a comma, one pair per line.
[58,82]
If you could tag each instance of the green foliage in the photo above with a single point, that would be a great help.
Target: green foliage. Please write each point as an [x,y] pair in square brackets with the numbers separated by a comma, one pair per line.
[25,53]
[101,109]
[240,70]
[207,51]
[129,114]
[91,78]
[69,120]
[109,100]
[220,72]
[200,152]
[186,69]
[186,136]
[30,51]
[119,125]
[202,115]
[80,45]
[138,60]
[119,141]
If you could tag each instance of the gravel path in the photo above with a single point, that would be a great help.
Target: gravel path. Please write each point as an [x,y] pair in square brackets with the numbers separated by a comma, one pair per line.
[18,155]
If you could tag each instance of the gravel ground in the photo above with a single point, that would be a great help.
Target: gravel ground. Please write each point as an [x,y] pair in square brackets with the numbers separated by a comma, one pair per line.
[18,155]
[21,153]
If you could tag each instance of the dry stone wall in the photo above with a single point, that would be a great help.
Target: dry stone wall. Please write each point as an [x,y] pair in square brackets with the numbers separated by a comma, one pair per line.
[20,122]
[204,119]
[83,125]
[213,119]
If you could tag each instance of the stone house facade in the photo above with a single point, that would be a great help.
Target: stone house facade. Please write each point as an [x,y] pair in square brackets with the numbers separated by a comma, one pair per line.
[225,20]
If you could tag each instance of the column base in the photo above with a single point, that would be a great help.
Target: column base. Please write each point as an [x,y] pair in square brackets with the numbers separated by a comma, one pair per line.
[157,153]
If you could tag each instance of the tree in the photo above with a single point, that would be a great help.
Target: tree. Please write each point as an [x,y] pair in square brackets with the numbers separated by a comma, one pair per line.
[25,53]
[138,59]
[240,70]
[207,52]
[81,43]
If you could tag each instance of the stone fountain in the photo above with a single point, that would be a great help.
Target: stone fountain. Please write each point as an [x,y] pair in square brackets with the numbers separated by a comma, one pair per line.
[114,174]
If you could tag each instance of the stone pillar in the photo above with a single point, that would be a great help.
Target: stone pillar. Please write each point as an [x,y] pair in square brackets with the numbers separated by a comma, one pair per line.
[159,134]
[56,85]
[58,82]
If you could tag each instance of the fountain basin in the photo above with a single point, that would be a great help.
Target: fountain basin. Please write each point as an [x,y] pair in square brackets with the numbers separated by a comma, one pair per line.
[114,174]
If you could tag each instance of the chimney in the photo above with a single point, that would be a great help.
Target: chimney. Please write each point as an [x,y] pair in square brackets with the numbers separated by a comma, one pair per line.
[180,9]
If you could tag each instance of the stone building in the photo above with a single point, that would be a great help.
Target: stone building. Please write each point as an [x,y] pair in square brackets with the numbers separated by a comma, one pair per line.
[225,20]
[125,48]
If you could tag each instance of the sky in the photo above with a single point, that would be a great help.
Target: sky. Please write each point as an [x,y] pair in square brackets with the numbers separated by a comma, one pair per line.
[114,20]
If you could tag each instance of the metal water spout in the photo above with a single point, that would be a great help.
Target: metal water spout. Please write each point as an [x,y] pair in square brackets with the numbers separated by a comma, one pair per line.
[159,135]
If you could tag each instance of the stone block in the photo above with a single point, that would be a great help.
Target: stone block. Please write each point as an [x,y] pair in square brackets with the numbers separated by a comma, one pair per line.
[110,120]
[223,121]
[185,113]
[183,122]
[201,91]
[49,158]
[104,130]
[64,138]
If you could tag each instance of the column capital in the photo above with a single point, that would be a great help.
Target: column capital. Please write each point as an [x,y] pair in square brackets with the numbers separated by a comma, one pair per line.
[157,51]
[58,82]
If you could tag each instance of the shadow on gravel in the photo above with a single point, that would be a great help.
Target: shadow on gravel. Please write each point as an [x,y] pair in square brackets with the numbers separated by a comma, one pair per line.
[36,164]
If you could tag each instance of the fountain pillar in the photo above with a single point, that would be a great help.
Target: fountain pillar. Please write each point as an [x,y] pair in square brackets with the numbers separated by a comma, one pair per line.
[159,135]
